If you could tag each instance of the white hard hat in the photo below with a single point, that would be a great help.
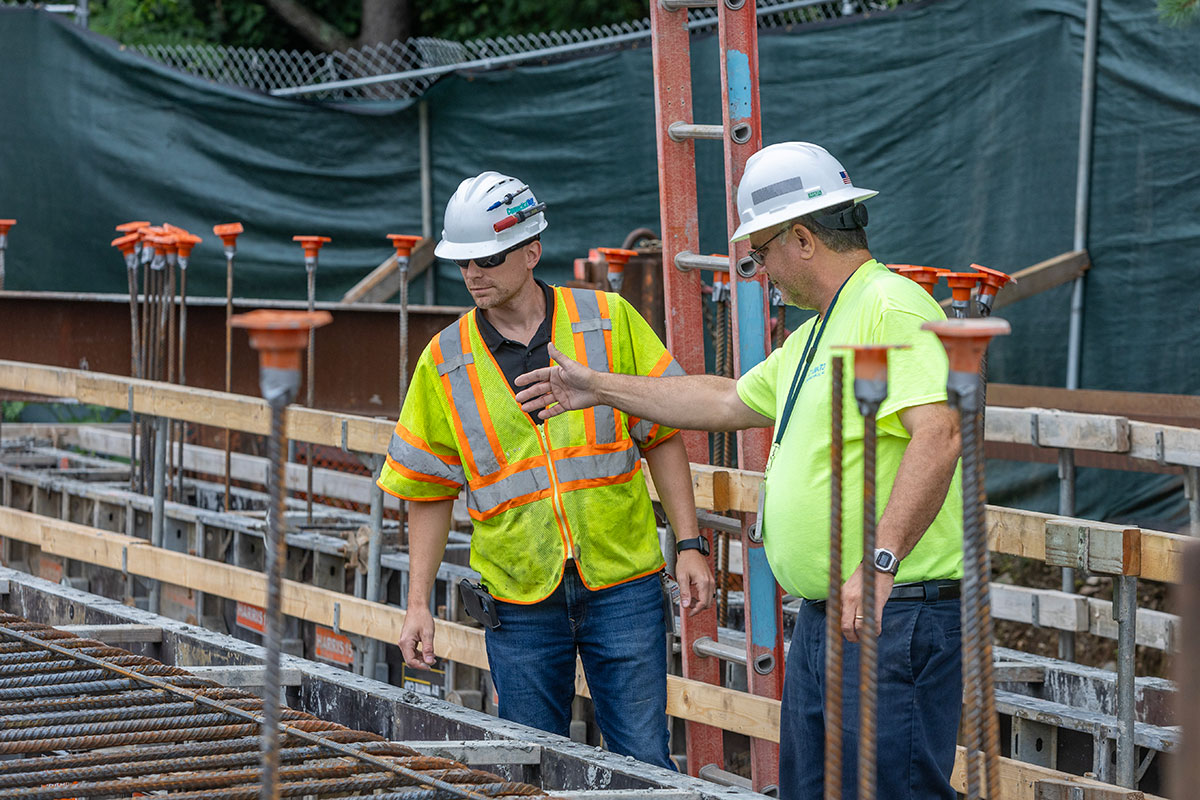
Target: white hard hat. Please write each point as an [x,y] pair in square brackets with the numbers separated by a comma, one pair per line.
[478,206]
[788,180]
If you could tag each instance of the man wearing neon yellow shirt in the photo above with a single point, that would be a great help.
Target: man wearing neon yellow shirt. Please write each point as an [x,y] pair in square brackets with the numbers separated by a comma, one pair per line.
[805,222]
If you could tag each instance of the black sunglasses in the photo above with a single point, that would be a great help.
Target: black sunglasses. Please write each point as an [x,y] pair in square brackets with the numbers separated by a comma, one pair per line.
[759,254]
[487,262]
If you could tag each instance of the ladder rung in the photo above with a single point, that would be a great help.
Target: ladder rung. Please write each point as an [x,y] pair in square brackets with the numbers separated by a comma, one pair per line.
[686,260]
[679,131]
[683,5]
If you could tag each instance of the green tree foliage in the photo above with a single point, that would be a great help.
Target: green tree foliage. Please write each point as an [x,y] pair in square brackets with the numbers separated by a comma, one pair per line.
[249,23]
[1179,12]
[241,23]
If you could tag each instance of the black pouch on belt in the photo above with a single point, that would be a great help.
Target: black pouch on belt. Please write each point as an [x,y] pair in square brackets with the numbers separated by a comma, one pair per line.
[480,606]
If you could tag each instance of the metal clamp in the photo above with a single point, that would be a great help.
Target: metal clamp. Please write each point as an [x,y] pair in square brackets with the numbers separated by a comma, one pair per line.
[1160,449]
[1034,438]
[345,435]
[337,618]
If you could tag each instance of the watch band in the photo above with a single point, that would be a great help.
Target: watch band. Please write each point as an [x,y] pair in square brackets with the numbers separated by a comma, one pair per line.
[695,543]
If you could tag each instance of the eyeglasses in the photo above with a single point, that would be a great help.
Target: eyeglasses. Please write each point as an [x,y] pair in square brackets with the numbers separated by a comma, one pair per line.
[759,254]
[487,262]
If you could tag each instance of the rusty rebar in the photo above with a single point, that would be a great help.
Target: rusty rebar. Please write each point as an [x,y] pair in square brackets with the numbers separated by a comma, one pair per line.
[229,253]
[868,688]
[833,602]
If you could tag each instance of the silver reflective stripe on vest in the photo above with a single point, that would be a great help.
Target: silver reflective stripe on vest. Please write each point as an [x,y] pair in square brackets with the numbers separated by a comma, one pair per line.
[419,461]
[454,367]
[641,431]
[599,465]
[592,326]
[518,484]
[673,369]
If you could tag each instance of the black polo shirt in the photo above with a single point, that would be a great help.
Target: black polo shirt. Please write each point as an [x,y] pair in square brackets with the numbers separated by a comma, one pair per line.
[515,358]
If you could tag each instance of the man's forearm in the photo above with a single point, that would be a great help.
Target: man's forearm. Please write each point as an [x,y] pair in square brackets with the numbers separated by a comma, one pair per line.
[428,530]
[672,476]
[695,402]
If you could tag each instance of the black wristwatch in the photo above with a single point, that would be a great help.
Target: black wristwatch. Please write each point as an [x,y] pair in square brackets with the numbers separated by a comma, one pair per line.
[886,561]
[696,543]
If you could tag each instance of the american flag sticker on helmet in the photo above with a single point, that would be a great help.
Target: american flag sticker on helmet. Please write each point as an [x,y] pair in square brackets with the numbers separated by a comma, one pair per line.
[845,177]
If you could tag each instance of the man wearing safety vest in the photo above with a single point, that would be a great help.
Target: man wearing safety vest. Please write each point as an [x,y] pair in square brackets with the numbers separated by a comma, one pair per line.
[805,222]
[564,535]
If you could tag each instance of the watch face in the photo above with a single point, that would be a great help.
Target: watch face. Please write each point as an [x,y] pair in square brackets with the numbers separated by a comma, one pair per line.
[885,561]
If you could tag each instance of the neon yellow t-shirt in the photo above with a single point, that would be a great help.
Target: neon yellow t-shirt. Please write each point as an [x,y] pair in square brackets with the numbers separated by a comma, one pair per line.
[875,307]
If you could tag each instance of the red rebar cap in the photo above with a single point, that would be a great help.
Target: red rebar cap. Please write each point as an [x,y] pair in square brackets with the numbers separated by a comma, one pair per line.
[966,340]
[127,243]
[617,257]
[186,241]
[404,244]
[311,244]
[870,360]
[926,277]
[228,232]
[158,241]
[580,269]
[280,336]
[5,224]
[961,284]
[993,279]
[133,227]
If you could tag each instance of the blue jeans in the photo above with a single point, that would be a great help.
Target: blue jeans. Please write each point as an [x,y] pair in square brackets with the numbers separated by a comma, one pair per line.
[918,708]
[620,636]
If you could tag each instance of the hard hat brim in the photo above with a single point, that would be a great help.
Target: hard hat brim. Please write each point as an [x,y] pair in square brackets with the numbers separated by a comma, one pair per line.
[794,210]
[462,251]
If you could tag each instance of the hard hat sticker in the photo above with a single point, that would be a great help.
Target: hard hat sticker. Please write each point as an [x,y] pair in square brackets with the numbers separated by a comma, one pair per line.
[845,177]
[815,193]
[521,207]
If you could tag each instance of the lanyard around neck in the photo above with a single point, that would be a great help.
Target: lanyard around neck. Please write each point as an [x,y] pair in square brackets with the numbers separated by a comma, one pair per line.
[810,352]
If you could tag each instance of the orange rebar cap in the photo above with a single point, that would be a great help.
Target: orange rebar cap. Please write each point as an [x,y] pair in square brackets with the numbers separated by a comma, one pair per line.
[127,243]
[280,336]
[5,224]
[926,277]
[966,340]
[617,257]
[870,360]
[311,244]
[133,227]
[403,243]
[993,279]
[228,232]
[961,284]
[186,241]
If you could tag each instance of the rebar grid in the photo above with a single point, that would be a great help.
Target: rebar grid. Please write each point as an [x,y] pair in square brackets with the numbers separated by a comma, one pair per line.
[833,603]
[317,759]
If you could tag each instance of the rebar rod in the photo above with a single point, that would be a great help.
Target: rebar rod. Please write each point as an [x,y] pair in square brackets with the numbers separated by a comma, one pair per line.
[182,424]
[228,358]
[276,556]
[971,633]
[868,636]
[1125,607]
[310,380]
[983,611]
[135,362]
[170,430]
[833,602]
[158,517]
[374,565]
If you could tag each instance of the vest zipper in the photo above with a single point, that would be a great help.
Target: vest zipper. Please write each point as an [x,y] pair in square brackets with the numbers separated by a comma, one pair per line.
[560,511]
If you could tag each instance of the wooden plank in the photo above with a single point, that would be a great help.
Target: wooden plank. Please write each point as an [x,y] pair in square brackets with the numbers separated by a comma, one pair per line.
[700,702]
[1042,607]
[1104,433]
[1041,276]
[1018,780]
[1066,790]
[1176,409]
[1169,444]
[1021,533]
[1156,629]
[384,281]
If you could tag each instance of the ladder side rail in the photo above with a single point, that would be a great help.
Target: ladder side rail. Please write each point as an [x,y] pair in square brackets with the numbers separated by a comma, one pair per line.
[684,317]
[765,653]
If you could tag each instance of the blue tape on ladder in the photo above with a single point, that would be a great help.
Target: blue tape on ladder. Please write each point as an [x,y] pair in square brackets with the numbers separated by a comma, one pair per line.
[737,71]
[752,328]
[762,596]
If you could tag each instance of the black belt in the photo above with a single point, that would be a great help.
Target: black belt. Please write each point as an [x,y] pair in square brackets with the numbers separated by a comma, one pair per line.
[929,591]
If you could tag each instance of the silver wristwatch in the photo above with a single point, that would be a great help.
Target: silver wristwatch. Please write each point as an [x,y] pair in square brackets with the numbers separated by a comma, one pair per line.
[886,561]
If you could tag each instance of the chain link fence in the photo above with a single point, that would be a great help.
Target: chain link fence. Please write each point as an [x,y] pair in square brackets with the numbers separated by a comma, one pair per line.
[411,66]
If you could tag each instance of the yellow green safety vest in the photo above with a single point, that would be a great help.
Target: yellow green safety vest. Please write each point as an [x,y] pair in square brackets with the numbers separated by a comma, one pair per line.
[571,487]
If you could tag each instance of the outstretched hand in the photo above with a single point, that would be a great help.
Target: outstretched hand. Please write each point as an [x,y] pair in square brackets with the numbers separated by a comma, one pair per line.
[565,385]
